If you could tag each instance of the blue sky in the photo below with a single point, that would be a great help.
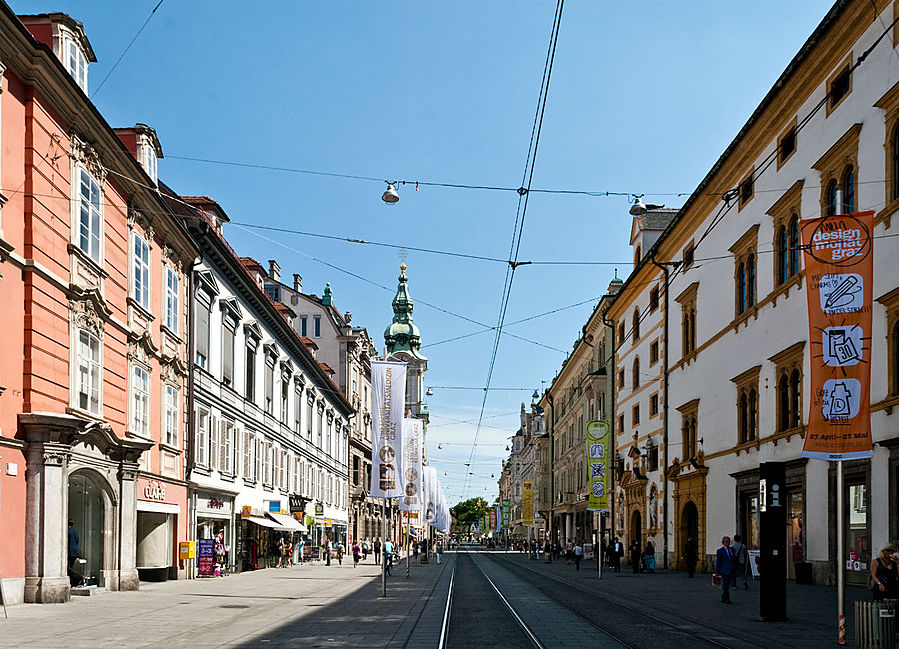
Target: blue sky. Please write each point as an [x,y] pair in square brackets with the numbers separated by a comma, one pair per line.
[644,97]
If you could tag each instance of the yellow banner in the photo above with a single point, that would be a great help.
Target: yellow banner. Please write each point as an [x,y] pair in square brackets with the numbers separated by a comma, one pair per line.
[527,502]
[599,450]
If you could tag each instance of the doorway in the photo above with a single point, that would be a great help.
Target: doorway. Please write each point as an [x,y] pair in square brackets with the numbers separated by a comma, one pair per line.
[690,523]
[636,527]
[857,540]
[86,513]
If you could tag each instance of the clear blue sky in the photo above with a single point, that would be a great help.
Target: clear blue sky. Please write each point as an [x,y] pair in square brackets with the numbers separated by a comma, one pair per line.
[644,97]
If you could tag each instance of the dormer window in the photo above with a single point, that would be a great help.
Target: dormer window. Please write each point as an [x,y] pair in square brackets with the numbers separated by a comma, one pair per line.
[149,161]
[76,63]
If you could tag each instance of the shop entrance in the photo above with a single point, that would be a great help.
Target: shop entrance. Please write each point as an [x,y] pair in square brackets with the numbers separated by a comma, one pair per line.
[155,534]
[858,545]
[86,512]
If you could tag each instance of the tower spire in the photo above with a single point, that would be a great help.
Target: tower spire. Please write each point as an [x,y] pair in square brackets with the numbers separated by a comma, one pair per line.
[402,334]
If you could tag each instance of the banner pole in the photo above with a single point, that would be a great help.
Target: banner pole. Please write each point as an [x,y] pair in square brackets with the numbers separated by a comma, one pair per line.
[597,548]
[383,549]
[408,544]
[841,628]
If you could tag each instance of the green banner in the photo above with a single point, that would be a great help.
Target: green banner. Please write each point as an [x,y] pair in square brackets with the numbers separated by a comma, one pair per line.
[599,452]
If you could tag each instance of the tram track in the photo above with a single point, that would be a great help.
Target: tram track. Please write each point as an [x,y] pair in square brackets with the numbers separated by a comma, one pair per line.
[683,630]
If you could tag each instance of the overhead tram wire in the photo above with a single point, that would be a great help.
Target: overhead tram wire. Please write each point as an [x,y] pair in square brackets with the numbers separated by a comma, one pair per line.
[521,213]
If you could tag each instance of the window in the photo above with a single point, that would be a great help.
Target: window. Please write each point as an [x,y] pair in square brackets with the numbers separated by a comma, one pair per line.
[848,190]
[267,468]
[150,162]
[317,326]
[90,216]
[201,323]
[746,189]
[636,327]
[636,379]
[140,277]
[171,300]
[787,145]
[140,401]
[310,412]
[653,352]
[202,440]
[297,410]
[687,300]
[228,335]
[285,397]
[76,64]
[653,405]
[283,470]
[171,415]
[250,378]
[635,415]
[788,387]
[249,451]
[302,325]
[654,299]
[840,86]
[269,386]
[321,424]
[638,255]
[689,255]
[88,364]
[893,362]
[274,292]
[745,270]
[831,198]
[893,188]
[689,420]
[747,384]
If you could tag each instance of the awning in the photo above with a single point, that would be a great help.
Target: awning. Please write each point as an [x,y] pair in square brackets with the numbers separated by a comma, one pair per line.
[161,508]
[288,522]
[263,522]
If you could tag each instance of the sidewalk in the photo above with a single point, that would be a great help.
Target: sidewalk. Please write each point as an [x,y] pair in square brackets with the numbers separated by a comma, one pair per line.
[311,605]
[671,595]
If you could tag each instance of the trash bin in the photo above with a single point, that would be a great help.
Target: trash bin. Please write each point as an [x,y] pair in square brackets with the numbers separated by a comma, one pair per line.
[803,572]
[547,557]
[875,625]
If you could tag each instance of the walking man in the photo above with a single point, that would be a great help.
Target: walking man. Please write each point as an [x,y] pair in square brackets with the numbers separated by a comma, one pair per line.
[635,556]
[578,555]
[691,556]
[615,555]
[725,564]
[741,553]
[377,548]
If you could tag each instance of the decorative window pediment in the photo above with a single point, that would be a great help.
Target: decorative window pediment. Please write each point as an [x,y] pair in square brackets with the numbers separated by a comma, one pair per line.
[231,307]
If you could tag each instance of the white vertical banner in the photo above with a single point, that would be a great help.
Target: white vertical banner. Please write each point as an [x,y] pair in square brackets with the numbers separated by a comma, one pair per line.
[429,475]
[411,500]
[388,403]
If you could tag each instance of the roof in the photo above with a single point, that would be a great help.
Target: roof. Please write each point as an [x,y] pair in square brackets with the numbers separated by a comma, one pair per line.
[656,219]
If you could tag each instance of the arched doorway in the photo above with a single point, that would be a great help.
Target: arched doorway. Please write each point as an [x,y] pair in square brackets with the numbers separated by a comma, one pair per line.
[689,523]
[86,506]
[637,527]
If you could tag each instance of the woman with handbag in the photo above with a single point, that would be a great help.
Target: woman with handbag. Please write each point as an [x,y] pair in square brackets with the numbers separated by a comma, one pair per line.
[884,575]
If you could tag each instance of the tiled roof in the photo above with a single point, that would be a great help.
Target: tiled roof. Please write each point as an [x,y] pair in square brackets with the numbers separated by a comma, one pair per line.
[656,219]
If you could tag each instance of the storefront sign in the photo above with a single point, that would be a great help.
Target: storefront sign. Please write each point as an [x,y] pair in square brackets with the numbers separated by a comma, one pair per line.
[246,511]
[297,503]
[839,270]
[274,506]
[154,490]
[599,449]
[319,509]
[527,502]
[388,396]
[215,503]
[206,557]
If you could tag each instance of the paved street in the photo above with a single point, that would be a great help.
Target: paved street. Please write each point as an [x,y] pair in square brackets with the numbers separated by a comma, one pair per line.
[339,606]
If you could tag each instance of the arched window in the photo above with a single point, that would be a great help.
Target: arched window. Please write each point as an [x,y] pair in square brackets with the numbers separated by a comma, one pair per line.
[636,325]
[750,281]
[741,288]
[783,402]
[830,199]
[794,244]
[795,398]
[636,381]
[781,255]
[743,416]
[752,407]
[848,190]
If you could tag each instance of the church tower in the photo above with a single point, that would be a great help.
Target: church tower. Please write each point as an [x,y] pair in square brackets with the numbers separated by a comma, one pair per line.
[403,342]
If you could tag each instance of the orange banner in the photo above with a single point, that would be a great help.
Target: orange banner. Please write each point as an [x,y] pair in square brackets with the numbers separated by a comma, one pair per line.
[839,269]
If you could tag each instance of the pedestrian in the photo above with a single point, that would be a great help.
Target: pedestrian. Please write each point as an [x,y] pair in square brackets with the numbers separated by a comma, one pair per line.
[388,554]
[288,554]
[327,551]
[74,551]
[884,575]
[339,553]
[356,553]
[615,554]
[415,551]
[278,550]
[439,552]
[725,564]
[635,556]
[649,557]
[578,555]
[569,552]
[377,551]
[741,554]
[365,549]
[691,555]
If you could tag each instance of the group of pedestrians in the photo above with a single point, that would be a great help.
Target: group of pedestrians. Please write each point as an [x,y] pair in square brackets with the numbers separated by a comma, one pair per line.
[641,559]
[731,563]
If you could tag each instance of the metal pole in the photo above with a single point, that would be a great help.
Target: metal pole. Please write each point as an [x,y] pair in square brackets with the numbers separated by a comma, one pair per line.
[408,543]
[383,549]
[597,547]
[841,633]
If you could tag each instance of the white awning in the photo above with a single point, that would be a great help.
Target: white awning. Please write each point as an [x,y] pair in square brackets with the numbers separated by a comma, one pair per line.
[288,522]
[263,522]
[162,508]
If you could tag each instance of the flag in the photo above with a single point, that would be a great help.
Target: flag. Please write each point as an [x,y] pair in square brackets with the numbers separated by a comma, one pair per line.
[411,500]
[599,450]
[388,401]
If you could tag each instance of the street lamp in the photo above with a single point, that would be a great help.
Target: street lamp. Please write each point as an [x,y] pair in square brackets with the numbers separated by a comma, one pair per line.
[390,196]
[430,392]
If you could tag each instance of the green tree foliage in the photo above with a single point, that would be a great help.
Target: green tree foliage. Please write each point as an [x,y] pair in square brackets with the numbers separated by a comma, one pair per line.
[470,511]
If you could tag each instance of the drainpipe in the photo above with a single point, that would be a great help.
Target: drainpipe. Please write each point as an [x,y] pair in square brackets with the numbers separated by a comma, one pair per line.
[664,266]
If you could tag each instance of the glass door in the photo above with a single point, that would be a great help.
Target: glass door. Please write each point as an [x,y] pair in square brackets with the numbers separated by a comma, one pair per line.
[857,550]
[86,511]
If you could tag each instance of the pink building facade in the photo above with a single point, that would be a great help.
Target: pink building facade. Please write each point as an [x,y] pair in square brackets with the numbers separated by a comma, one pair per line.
[93,378]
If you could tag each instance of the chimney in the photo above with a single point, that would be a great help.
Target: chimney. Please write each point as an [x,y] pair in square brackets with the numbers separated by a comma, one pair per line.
[298,283]
[274,270]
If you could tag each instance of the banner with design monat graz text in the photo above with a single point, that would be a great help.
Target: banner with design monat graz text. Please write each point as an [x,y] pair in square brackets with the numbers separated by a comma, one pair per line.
[388,402]
[839,273]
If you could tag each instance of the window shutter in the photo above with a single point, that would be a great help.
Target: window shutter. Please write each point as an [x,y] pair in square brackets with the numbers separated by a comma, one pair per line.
[212,442]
